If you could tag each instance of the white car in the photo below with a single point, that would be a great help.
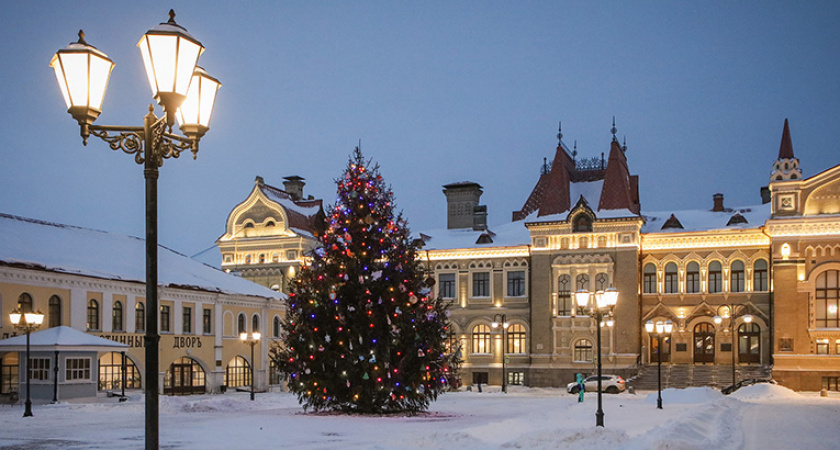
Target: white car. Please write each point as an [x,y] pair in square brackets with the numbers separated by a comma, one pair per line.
[611,384]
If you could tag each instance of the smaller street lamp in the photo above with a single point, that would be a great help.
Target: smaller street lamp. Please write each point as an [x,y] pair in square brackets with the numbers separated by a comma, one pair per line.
[30,322]
[732,316]
[251,339]
[504,324]
[659,329]
[602,311]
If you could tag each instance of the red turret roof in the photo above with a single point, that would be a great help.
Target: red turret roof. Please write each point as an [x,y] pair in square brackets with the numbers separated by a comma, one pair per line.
[786,147]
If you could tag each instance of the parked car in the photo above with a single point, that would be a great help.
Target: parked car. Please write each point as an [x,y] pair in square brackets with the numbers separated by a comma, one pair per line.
[749,381]
[611,384]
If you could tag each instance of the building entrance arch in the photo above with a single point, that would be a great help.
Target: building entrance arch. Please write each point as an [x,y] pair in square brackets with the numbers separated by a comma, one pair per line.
[185,376]
[704,343]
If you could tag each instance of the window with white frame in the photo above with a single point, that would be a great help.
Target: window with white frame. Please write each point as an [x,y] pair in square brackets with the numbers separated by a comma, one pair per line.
[39,369]
[77,369]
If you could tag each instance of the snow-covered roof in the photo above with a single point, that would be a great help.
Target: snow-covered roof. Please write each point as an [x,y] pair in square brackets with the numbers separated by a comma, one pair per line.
[703,220]
[100,254]
[61,338]
[508,235]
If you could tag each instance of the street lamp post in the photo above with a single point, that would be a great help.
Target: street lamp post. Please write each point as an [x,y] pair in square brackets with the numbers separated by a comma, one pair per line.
[660,329]
[504,325]
[732,316]
[26,321]
[251,339]
[602,308]
[182,88]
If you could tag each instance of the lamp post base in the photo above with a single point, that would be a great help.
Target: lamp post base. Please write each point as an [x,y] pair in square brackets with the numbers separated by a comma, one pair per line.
[27,412]
[599,418]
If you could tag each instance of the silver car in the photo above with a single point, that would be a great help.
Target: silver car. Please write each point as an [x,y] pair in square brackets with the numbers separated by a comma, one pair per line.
[611,384]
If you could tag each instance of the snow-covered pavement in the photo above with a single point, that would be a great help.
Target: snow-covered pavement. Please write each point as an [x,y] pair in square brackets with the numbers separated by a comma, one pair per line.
[756,417]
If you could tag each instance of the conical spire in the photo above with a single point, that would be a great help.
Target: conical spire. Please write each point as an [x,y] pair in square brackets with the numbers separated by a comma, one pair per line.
[786,147]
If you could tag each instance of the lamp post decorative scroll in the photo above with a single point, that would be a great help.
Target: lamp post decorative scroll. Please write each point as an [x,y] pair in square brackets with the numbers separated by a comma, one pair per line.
[504,325]
[26,321]
[601,311]
[660,329]
[182,89]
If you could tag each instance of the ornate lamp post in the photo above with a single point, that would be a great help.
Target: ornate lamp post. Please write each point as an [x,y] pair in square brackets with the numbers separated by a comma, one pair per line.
[660,329]
[170,55]
[602,308]
[732,316]
[504,325]
[30,322]
[251,340]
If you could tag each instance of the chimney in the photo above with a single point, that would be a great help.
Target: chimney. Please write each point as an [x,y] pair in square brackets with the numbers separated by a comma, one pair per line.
[294,186]
[463,210]
[718,199]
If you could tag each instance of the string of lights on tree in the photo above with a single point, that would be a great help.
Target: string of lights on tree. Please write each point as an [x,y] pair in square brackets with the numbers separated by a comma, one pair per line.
[364,332]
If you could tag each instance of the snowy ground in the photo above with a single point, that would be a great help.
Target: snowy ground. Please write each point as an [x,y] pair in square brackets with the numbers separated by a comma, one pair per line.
[755,417]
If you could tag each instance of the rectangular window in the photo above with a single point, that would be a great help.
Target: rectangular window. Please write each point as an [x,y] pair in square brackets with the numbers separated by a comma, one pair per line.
[207,321]
[715,282]
[481,284]
[39,369]
[681,347]
[692,282]
[516,283]
[164,319]
[447,285]
[671,283]
[760,280]
[650,283]
[822,346]
[187,320]
[78,369]
[291,255]
[480,377]
[831,383]
[516,378]
[736,281]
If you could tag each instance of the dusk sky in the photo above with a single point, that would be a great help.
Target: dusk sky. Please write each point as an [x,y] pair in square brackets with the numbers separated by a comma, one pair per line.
[437,92]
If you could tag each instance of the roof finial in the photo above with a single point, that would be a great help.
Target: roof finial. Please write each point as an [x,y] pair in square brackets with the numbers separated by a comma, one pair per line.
[574,151]
[624,145]
[613,130]
[559,133]
[171,16]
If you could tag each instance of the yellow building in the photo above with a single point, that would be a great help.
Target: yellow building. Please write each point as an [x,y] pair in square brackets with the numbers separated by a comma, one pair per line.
[94,281]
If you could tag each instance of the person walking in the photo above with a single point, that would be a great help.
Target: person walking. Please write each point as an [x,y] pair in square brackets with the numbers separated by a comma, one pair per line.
[581,387]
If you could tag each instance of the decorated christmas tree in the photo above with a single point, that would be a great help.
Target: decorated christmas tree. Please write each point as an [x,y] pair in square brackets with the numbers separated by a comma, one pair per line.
[364,332]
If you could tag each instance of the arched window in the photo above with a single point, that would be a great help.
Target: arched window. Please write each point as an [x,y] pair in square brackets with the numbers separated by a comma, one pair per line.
[247,259]
[672,278]
[139,317]
[564,295]
[736,276]
[184,376]
[564,243]
[481,339]
[760,276]
[93,315]
[117,322]
[276,330]
[602,282]
[827,299]
[240,325]
[583,350]
[516,339]
[25,303]
[255,324]
[275,257]
[650,278]
[583,242]
[55,311]
[602,241]
[262,258]
[238,372]
[582,282]
[692,278]
[715,277]
[110,372]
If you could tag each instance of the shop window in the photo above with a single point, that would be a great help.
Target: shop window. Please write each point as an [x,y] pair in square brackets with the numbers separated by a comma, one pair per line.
[9,373]
[831,383]
[516,378]
[110,372]
[238,373]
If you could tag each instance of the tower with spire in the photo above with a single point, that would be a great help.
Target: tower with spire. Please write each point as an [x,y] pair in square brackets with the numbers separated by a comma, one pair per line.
[786,166]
